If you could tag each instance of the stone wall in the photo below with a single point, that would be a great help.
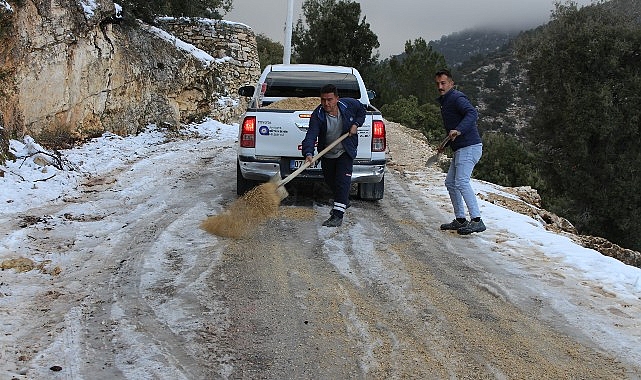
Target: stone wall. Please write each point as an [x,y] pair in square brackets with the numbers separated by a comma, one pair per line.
[219,38]
[231,42]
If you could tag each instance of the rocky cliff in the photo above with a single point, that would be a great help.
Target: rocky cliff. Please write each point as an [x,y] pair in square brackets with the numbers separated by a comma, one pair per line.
[77,69]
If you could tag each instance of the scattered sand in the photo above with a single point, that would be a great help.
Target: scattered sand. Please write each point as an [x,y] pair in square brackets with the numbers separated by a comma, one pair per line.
[253,208]
[298,213]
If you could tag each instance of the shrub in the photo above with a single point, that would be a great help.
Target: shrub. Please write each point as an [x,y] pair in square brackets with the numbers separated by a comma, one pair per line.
[424,117]
[508,161]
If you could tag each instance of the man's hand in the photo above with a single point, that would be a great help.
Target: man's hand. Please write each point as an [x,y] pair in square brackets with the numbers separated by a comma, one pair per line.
[453,134]
[309,159]
[353,130]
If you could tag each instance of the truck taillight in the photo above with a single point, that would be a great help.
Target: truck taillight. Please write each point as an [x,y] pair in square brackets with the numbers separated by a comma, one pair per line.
[248,133]
[378,136]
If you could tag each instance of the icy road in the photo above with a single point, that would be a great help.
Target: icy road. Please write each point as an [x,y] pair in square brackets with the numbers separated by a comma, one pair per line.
[127,286]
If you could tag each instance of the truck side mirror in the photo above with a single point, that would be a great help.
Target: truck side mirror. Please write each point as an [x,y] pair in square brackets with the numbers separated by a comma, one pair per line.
[246,91]
[371,94]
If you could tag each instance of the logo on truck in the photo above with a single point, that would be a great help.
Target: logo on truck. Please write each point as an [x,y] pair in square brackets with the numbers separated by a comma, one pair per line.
[275,131]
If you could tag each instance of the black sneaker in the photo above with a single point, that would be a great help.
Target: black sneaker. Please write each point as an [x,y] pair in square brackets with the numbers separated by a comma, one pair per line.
[454,225]
[333,221]
[472,226]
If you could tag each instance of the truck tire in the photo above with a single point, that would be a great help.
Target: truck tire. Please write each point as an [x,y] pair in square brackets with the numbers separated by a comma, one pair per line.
[243,185]
[371,191]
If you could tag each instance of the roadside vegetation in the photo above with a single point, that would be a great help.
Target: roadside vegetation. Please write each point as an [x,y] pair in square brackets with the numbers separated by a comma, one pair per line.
[585,75]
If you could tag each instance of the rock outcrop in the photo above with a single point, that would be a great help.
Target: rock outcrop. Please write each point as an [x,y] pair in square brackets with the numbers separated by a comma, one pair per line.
[78,69]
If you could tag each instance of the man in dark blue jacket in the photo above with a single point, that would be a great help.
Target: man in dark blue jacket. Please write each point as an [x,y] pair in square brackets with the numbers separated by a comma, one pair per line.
[459,118]
[330,120]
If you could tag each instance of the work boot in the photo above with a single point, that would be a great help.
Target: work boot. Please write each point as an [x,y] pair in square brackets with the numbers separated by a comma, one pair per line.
[454,225]
[472,226]
[333,221]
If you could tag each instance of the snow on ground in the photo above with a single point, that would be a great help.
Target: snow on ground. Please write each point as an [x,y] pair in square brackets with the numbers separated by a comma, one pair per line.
[26,185]
[89,7]
[6,6]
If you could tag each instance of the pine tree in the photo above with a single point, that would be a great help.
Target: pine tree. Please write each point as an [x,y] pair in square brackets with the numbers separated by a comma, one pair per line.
[269,51]
[334,34]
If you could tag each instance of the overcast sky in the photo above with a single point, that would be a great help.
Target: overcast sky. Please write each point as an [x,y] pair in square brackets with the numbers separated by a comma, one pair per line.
[395,22]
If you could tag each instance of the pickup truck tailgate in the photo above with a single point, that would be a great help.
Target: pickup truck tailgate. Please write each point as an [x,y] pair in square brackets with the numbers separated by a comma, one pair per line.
[281,133]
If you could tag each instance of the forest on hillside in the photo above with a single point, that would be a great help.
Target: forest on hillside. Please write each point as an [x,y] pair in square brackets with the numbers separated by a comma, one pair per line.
[460,47]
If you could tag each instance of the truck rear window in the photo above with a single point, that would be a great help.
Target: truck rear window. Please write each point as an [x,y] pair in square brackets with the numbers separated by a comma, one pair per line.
[308,84]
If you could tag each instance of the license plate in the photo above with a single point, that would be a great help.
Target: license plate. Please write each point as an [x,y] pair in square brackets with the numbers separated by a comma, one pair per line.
[295,164]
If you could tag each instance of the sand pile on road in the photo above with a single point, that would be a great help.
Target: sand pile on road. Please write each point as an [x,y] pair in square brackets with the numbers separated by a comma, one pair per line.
[253,208]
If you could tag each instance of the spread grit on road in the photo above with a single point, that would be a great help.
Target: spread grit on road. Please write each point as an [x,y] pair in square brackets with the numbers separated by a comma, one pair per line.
[253,208]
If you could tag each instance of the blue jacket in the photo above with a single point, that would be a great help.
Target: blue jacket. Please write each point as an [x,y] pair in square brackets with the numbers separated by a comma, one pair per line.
[458,113]
[352,112]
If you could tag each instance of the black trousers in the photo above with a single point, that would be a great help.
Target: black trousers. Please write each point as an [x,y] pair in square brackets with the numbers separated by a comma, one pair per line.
[338,176]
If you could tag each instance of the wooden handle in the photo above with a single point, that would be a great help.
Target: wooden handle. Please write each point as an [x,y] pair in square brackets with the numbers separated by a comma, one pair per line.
[316,157]
[443,144]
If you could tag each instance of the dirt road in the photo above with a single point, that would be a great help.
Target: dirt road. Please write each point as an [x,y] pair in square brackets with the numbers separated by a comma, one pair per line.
[143,293]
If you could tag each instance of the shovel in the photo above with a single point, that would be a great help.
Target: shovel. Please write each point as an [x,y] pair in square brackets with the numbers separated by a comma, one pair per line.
[280,189]
[439,150]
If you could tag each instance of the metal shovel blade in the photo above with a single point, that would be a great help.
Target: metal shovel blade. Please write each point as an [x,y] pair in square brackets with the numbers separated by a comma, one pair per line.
[280,188]
[433,159]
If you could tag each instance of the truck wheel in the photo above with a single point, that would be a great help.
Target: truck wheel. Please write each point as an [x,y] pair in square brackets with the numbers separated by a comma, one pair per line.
[371,191]
[243,185]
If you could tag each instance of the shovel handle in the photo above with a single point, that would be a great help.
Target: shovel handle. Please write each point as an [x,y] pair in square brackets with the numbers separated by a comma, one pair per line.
[443,144]
[316,157]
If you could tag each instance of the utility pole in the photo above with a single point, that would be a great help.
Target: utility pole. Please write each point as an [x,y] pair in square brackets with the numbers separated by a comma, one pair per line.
[287,51]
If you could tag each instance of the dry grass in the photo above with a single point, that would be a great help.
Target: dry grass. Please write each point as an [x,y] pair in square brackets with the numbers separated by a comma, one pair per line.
[253,208]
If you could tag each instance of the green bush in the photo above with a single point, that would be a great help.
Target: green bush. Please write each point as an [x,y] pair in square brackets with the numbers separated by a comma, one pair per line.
[148,10]
[422,117]
[508,161]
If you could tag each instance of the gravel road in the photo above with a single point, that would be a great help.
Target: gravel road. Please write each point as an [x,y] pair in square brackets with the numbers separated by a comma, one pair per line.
[144,293]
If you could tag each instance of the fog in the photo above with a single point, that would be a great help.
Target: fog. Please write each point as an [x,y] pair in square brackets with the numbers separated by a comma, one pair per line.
[406,20]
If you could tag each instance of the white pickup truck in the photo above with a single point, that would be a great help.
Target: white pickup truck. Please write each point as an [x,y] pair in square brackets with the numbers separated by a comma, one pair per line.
[277,119]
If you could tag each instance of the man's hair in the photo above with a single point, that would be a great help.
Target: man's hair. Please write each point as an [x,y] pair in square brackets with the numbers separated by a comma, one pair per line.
[445,72]
[329,88]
